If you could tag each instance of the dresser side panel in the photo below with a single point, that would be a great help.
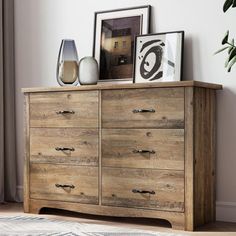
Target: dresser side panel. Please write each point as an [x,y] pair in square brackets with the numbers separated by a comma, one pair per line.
[189,157]
[204,132]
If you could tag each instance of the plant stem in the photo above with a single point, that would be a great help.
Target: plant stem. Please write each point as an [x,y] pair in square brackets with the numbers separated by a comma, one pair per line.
[231,44]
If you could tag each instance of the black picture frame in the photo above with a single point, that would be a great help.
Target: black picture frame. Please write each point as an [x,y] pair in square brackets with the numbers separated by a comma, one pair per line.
[181,51]
[144,24]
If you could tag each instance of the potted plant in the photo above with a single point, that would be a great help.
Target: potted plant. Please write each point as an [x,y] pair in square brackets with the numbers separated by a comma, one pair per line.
[229,44]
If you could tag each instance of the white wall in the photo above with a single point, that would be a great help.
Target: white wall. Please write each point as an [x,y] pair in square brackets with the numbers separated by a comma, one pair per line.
[40,25]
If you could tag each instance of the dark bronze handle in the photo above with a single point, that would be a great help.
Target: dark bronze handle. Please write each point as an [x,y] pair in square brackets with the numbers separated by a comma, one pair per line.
[143,110]
[144,151]
[143,191]
[65,112]
[64,186]
[64,149]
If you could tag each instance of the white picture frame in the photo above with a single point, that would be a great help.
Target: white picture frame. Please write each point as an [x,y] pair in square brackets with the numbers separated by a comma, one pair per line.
[159,57]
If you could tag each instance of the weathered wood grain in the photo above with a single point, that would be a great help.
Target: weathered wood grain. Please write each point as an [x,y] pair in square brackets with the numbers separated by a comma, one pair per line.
[204,152]
[118,183]
[175,218]
[118,106]
[44,177]
[114,86]
[44,141]
[44,108]
[27,152]
[118,147]
[104,132]
[189,159]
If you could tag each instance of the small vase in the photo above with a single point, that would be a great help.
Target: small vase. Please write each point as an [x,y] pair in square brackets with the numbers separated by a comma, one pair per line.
[67,64]
[88,71]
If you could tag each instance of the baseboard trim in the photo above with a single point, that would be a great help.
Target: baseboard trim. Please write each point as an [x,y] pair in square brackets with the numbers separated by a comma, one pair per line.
[19,190]
[226,211]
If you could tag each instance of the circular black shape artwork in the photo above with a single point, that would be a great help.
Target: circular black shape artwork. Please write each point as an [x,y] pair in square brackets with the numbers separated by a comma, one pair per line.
[158,52]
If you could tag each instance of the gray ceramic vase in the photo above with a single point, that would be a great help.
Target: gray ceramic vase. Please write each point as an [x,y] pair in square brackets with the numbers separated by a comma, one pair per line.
[88,71]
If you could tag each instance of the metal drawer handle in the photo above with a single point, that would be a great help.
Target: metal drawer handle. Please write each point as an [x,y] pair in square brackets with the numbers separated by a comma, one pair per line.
[144,151]
[65,112]
[64,186]
[64,149]
[143,191]
[143,110]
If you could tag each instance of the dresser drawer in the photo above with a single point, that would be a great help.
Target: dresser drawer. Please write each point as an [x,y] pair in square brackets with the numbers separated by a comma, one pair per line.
[143,148]
[46,182]
[121,186]
[66,145]
[143,108]
[64,109]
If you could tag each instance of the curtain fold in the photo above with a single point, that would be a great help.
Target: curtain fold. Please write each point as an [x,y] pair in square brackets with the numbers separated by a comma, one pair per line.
[8,160]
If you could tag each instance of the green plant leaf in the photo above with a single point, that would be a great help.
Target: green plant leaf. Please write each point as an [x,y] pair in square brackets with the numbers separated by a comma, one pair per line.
[232,41]
[231,63]
[226,37]
[226,62]
[234,3]
[232,54]
[221,50]
[227,5]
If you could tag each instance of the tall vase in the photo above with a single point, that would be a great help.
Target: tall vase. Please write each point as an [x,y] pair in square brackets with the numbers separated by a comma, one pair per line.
[67,64]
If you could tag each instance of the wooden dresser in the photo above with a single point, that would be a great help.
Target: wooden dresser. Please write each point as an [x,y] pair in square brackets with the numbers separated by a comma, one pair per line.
[134,150]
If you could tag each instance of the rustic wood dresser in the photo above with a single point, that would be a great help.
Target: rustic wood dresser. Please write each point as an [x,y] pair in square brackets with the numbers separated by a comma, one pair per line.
[133,150]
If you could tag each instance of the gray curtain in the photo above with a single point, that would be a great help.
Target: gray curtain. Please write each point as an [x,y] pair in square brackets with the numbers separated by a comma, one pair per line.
[8,164]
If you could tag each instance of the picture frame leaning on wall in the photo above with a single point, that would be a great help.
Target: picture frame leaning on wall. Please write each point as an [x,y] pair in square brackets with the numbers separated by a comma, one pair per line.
[114,36]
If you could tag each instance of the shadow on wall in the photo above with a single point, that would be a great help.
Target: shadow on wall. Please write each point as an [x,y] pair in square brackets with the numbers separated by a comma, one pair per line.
[191,51]
[188,59]
[226,143]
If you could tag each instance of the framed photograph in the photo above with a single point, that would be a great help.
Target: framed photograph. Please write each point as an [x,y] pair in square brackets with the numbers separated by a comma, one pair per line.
[158,57]
[114,36]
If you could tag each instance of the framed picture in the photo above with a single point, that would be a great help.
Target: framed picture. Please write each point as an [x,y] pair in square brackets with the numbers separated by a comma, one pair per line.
[114,36]
[158,57]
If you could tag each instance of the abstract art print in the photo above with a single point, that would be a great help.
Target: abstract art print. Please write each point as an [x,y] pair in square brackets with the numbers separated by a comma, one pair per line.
[114,37]
[158,57]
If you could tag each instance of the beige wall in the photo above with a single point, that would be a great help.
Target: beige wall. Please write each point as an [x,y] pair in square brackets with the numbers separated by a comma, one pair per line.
[41,24]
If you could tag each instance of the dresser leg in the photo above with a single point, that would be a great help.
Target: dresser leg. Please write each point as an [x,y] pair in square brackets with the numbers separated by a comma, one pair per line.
[177,225]
[34,209]
[26,207]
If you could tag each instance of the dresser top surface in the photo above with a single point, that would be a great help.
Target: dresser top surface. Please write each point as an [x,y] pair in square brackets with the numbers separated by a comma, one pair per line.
[110,86]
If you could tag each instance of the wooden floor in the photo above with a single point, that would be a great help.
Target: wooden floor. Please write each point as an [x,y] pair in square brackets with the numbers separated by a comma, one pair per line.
[218,228]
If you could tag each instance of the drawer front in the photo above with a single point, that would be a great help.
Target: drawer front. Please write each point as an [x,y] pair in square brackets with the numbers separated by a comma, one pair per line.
[83,182]
[143,148]
[143,108]
[120,187]
[64,109]
[66,145]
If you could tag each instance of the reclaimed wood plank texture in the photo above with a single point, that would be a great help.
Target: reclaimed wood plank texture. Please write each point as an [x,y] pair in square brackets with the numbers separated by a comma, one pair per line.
[104,131]
[27,152]
[44,108]
[118,183]
[44,177]
[44,141]
[189,159]
[204,179]
[118,146]
[176,218]
[114,86]
[118,106]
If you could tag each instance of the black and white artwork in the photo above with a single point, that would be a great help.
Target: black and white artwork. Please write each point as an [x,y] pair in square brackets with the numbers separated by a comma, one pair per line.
[158,57]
